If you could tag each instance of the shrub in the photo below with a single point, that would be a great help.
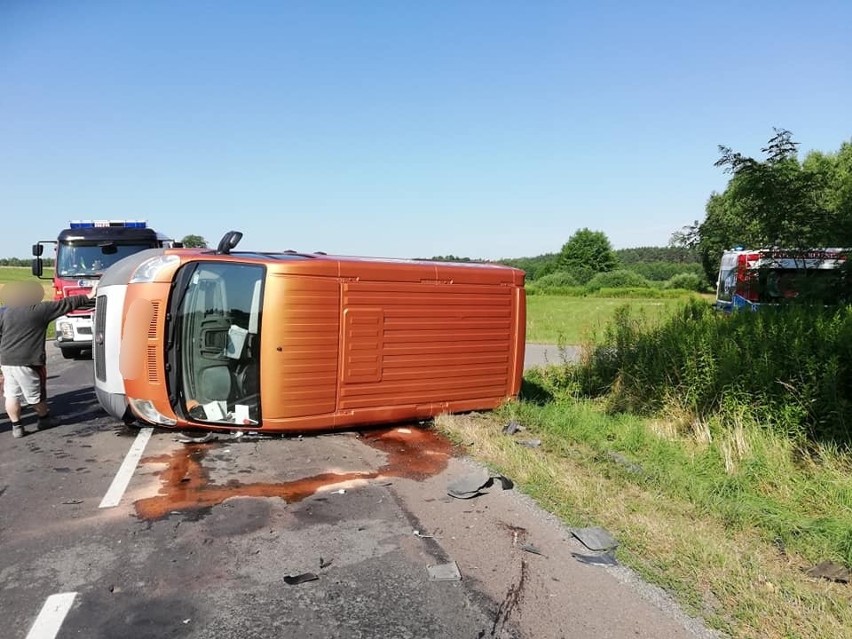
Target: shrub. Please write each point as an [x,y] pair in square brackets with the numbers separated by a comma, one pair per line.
[790,367]
[559,279]
[617,279]
[687,282]
[663,271]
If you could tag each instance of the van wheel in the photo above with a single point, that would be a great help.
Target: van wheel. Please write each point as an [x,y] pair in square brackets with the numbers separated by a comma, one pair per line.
[68,353]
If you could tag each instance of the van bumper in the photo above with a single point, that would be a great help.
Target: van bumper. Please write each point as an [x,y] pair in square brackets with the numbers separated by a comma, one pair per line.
[115,404]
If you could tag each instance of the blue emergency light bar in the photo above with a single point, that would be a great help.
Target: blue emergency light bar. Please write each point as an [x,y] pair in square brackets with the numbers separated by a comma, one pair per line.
[93,224]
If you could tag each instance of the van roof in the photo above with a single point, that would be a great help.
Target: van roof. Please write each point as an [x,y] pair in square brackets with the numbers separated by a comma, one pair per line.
[356,266]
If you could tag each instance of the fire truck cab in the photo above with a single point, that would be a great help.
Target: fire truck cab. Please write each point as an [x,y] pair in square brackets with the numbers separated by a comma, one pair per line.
[83,252]
[751,278]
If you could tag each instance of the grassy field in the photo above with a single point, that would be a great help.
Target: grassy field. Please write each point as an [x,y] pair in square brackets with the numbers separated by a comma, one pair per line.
[727,526]
[23,273]
[553,319]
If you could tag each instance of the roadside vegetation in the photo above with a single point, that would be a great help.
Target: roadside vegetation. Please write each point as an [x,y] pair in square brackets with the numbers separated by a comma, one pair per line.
[716,448]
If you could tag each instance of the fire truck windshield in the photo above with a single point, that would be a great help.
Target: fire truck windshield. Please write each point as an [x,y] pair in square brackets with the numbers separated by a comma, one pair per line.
[79,260]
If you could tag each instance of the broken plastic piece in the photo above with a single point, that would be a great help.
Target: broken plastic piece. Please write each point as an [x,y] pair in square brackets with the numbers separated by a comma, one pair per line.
[530,443]
[605,559]
[511,428]
[417,533]
[531,549]
[295,580]
[469,486]
[472,485]
[595,538]
[71,502]
[444,572]
[505,482]
[832,571]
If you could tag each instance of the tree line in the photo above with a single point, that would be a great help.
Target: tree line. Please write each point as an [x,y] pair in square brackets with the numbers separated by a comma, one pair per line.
[22,261]
[776,201]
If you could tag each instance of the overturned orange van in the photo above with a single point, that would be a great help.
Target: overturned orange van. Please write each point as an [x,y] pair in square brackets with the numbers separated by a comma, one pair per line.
[297,342]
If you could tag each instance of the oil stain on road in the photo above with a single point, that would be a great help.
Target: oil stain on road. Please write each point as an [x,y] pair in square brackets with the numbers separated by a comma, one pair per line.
[185,486]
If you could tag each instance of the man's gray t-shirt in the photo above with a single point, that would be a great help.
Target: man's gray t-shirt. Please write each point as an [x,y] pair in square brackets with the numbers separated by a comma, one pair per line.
[22,329]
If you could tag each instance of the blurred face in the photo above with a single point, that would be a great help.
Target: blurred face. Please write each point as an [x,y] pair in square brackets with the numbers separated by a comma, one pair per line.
[22,294]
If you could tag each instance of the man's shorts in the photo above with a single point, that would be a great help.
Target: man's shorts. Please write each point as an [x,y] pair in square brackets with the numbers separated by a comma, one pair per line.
[27,383]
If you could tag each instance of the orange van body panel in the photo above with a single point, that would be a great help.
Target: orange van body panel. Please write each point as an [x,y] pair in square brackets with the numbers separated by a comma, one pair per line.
[359,341]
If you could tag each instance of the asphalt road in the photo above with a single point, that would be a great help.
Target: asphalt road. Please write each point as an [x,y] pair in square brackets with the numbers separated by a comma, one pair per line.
[201,541]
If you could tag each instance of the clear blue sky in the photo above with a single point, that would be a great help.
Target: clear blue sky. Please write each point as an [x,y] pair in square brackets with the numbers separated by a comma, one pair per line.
[487,129]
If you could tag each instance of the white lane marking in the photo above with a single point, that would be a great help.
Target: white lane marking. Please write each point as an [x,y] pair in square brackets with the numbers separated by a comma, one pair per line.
[49,620]
[122,477]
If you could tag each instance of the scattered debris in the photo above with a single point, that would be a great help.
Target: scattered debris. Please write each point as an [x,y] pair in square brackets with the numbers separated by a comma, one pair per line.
[512,427]
[531,549]
[186,621]
[417,533]
[342,491]
[471,485]
[530,443]
[295,580]
[505,482]
[187,439]
[605,559]
[595,538]
[621,460]
[71,502]
[832,571]
[444,572]
[325,564]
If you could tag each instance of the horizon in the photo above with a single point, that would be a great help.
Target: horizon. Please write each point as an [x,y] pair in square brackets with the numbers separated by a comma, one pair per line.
[488,130]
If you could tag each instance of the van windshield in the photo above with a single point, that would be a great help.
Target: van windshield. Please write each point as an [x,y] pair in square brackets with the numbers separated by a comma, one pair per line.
[219,338]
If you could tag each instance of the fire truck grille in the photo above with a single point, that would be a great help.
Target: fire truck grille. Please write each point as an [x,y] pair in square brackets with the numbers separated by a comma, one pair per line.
[98,341]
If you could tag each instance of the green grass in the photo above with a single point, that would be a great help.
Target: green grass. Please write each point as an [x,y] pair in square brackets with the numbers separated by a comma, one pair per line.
[554,319]
[727,524]
[22,273]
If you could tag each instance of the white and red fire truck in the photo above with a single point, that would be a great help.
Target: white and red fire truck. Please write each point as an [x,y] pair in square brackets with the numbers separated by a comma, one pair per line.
[83,251]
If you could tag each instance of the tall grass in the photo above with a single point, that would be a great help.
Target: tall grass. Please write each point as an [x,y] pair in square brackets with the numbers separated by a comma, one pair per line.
[788,369]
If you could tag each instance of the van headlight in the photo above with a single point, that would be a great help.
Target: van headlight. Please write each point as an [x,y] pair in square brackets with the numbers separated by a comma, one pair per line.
[150,269]
[145,409]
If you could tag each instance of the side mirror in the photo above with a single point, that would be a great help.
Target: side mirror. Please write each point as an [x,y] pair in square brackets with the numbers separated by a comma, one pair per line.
[38,249]
[38,266]
[229,242]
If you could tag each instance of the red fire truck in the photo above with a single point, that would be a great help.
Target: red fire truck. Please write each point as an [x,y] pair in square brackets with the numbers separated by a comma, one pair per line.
[83,251]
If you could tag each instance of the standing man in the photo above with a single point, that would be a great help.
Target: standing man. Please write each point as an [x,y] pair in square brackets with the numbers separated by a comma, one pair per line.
[22,334]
